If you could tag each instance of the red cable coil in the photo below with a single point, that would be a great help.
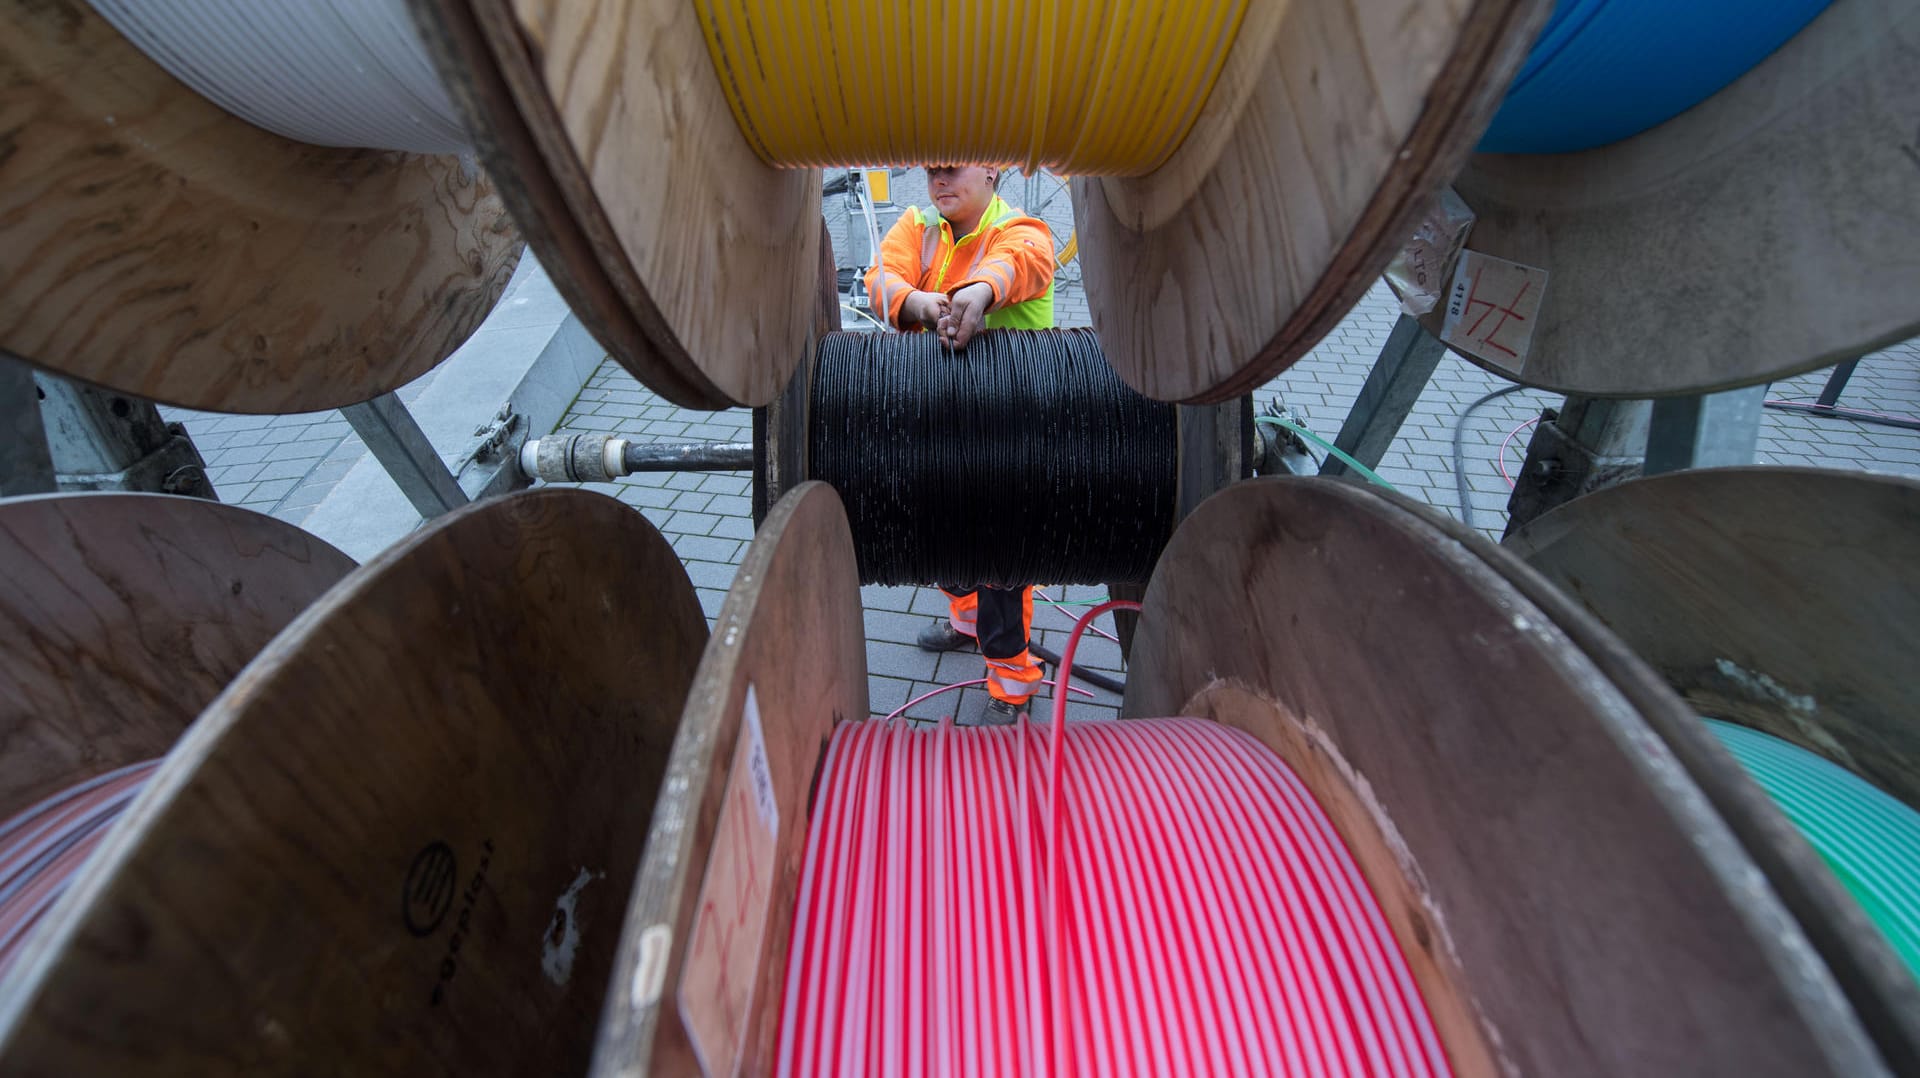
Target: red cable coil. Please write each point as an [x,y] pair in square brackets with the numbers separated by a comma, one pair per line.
[43,846]
[1215,923]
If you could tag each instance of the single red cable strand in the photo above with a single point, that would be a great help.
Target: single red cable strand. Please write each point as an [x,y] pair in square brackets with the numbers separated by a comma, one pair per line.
[1062,608]
[1503,449]
[1055,758]
[897,712]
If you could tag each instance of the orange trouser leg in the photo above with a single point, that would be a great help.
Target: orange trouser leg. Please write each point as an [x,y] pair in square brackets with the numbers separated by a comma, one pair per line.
[1003,622]
[1013,680]
[963,612]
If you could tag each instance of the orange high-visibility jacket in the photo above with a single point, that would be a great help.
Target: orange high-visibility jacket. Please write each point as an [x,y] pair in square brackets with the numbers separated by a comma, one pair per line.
[1008,250]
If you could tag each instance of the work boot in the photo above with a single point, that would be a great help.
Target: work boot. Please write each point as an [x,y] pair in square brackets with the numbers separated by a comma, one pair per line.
[1001,713]
[942,636]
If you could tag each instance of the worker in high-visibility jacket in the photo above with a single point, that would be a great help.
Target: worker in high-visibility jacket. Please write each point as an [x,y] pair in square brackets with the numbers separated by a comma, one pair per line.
[970,263]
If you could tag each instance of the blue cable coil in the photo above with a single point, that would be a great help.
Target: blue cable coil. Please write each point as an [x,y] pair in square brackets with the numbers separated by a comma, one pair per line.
[1607,69]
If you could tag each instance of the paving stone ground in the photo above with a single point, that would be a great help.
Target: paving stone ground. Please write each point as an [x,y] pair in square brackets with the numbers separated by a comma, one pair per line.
[283,465]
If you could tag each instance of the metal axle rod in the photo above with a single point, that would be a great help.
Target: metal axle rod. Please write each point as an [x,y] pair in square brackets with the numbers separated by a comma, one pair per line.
[596,458]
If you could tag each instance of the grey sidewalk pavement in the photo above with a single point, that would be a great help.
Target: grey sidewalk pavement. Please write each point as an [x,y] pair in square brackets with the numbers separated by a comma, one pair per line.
[282,464]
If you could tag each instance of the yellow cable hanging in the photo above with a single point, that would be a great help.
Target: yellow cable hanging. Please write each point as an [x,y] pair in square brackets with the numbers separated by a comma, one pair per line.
[1090,87]
[1070,252]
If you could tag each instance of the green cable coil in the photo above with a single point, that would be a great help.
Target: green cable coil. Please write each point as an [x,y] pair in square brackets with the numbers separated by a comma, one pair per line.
[1868,837]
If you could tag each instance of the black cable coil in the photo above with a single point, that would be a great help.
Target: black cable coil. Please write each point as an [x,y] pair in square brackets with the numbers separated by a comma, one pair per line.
[1021,459]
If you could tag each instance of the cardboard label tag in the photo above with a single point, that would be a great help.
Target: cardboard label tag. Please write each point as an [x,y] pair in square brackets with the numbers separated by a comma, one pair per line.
[1492,306]
[730,924]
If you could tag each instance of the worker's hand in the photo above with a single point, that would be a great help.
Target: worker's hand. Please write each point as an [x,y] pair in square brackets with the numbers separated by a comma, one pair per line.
[923,309]
[966,314]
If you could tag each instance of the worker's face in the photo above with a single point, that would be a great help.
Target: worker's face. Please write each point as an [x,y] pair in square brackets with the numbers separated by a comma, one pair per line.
[960,192]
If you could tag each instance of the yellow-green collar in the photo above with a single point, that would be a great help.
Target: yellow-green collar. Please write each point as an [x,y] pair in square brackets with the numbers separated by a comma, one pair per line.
[996,209]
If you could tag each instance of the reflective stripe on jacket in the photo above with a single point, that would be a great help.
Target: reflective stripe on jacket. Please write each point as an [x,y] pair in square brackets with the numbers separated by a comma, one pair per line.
[1009,251]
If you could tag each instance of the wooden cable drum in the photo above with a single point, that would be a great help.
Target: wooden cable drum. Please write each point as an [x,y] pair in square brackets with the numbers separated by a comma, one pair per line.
[1782,599]
[123,615]
[1212,446]
[704,933]
[1307,134]
[686,256]
[155,243]
[1766,231]
[1574,904]
[1786,599]
[402,839]
[1567,900]
[1329,128]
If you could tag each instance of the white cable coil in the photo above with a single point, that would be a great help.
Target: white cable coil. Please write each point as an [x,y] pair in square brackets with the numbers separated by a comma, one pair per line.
[348,73]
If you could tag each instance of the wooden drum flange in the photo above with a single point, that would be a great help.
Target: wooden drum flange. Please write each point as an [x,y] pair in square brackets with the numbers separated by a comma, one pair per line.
[1214,273]
[123,615]
[1767,231]
[711,914]
[402,840]
[691,260]
[1783,599]
[1577,902]
[155,244]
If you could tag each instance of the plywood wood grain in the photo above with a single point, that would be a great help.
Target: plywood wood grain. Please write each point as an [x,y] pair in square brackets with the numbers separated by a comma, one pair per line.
[1601,918]
[155,244]
[402,840]
[791,631]
[1359,113]
[123,615]
[711,253]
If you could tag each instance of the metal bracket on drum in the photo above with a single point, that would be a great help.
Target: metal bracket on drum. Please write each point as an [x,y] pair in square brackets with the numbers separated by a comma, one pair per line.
[26,466]
[402,448]
[1589,443]
[1594,442]
[100,439]
[1406,364]
[1709,430]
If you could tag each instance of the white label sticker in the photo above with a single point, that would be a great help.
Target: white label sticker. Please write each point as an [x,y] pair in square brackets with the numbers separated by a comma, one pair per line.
[1492,306]
[718,979]
[757,769]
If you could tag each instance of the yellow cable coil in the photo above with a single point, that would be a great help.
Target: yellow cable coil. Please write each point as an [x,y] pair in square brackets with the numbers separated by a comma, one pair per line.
[1105,87]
